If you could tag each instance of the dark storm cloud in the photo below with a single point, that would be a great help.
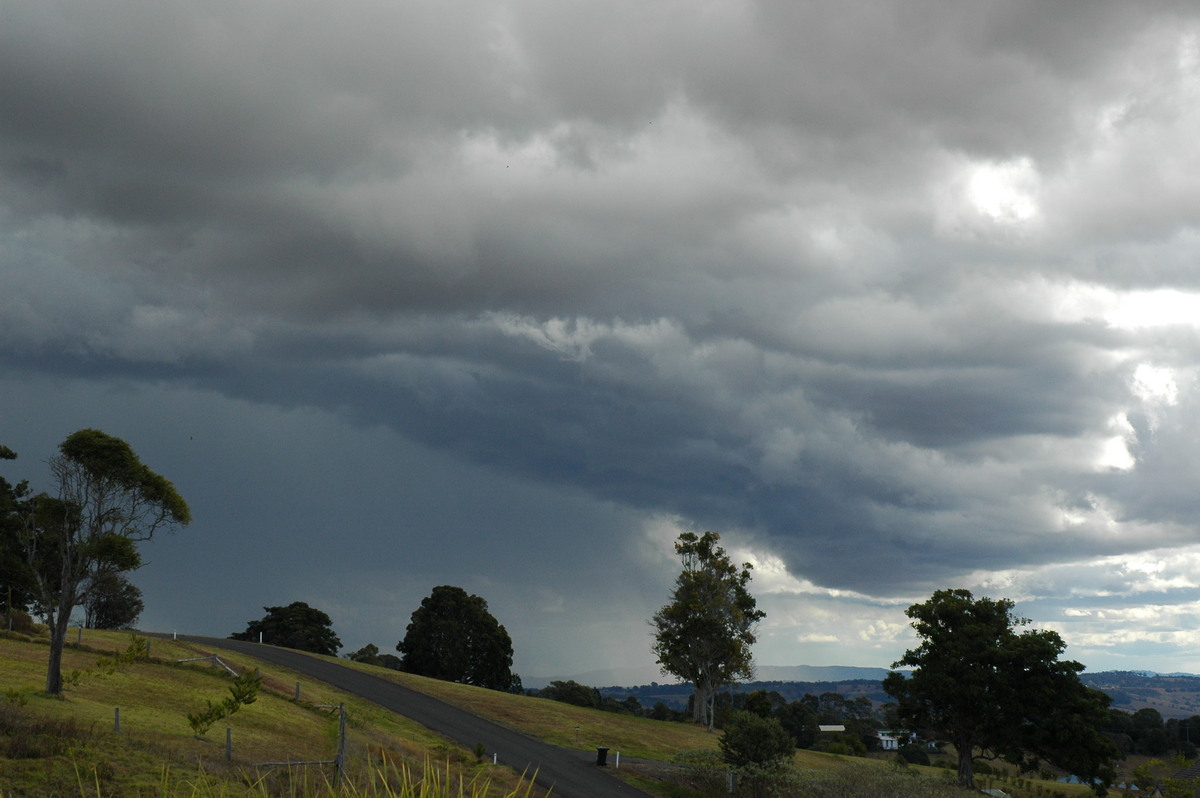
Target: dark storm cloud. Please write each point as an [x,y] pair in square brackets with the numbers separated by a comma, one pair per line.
[855,282]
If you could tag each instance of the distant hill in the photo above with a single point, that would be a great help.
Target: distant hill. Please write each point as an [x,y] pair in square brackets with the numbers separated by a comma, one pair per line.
[676,695]
[643,675]
[1175,695]
[767,673]
[817,673]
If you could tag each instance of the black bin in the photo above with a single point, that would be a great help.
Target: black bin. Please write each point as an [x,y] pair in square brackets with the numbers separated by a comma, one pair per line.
[601,756]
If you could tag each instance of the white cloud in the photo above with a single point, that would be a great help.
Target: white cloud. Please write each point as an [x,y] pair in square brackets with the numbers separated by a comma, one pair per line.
[1155,384]
[996,201]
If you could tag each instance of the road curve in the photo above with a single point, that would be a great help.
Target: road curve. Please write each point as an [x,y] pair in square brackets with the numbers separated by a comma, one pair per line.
[570,773]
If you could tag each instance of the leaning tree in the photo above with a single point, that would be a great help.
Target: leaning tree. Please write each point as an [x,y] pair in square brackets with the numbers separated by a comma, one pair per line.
[997,693]
[704,634]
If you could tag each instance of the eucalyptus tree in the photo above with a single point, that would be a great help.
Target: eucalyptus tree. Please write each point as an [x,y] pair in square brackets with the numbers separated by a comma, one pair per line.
[704,634]
[105,502]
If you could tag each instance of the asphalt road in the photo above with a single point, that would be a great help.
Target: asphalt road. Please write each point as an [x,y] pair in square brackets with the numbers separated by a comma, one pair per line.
[570,773]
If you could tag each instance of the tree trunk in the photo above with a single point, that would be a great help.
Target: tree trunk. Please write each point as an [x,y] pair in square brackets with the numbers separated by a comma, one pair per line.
[966,762]
[704,700]
[58,622]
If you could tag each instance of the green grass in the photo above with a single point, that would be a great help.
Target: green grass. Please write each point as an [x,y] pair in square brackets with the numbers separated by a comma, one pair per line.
[562,724]
[156,753]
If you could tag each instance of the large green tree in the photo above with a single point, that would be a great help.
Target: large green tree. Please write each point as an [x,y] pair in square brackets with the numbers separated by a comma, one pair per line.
[997,693]
[105,502]
[453,637]
[704,634]
[295,626]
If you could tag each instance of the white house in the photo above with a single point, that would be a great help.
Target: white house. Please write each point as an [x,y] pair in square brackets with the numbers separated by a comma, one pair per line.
[891,740]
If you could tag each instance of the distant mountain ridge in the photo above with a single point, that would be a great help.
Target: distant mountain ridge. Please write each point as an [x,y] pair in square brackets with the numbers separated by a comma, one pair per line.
[1173,695]
[817,673]
[641,677]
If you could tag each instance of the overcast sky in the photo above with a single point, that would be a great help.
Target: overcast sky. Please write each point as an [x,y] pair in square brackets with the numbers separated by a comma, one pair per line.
[896,296]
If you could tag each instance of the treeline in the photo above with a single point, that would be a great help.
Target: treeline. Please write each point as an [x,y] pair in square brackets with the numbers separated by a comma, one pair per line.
[677,696]
[859,717]
[1145,732]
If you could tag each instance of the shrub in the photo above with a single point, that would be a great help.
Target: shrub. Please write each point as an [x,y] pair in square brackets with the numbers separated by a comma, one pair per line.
[751,739]
[244,690]
[913,754]
[18,621]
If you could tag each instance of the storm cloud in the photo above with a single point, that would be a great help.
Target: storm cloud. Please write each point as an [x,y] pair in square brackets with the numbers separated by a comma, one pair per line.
[896,296]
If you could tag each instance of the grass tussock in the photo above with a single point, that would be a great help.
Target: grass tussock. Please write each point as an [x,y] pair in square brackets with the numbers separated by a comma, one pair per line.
[867,782]
[26,736]
[385,778]
[701,774]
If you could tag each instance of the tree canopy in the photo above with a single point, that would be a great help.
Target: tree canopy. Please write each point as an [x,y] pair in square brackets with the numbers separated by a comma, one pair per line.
[16,582]
[704,634]
[453,637]
[105,502]
[995,692]
[295,626]
[572,692]
[114,603]
[369,655]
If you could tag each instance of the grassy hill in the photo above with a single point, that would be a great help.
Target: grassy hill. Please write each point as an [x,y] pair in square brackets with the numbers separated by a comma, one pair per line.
[54,745]
[72,746]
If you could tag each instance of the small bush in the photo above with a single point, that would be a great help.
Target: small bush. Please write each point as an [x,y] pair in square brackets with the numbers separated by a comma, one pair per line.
[203,720]
[243,691]
[137,651]
[18,621]
[751,739]
[913,754]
